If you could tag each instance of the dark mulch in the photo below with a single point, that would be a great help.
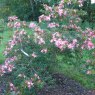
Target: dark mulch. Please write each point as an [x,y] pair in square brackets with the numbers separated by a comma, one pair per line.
[65,86]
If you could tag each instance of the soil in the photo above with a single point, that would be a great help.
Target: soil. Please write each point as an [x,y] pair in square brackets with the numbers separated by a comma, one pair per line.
[65,86]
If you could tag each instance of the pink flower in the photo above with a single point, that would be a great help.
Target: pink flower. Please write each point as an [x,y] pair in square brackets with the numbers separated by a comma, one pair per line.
[41,41]
[47,8]
[90,45]
[88,72]
[29,83]
[12,87]
[22,32]
[17,25]
[52,25]
[60,12]
[44,50]
[61,43]
[32,25]
[70,46]
[80,3]
[7,66]
[12,18]
[44,18]
[88,61]
[39,30]
[34,55]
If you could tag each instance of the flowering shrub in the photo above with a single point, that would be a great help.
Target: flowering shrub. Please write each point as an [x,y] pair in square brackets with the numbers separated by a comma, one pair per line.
[30,54]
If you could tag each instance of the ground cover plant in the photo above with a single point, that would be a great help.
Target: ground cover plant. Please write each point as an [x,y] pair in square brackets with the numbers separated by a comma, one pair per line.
[56,44]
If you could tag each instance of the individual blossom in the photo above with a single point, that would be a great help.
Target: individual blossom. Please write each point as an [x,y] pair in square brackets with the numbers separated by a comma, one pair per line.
[41,41]
[39,30]
[12,87]
[60,12]
[61,4]
[88,72]
[80,2]
[44,50]
[90,45]
[71,46]
[34,55]
[22,32]
[32,25]
[17,25]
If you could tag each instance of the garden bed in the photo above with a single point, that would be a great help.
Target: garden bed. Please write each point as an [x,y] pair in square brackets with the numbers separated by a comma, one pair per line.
[65,86]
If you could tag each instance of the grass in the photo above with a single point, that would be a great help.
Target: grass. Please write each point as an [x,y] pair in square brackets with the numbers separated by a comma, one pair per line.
[6,35]
[87,81]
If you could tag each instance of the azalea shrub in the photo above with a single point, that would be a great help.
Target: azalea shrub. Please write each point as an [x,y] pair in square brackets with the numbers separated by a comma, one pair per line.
[37,47]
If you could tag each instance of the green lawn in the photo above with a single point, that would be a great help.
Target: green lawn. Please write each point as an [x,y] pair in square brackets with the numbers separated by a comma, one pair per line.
[87,81]
[6,35]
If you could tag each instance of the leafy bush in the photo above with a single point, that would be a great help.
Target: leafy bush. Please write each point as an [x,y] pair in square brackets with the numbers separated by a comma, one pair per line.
[57,38]
[24,9]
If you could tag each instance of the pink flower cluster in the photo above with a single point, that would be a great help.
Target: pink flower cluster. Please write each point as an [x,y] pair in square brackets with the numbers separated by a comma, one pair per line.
[88,44]
[41,41]
[73,44]
[47,8]
[36,28]
[75,27]
[60,10]
[16,39]
[62,44]
[29,83]
[44,18]
[52,25]
[7,66]
[39,30]
[12,18]
[89,33]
